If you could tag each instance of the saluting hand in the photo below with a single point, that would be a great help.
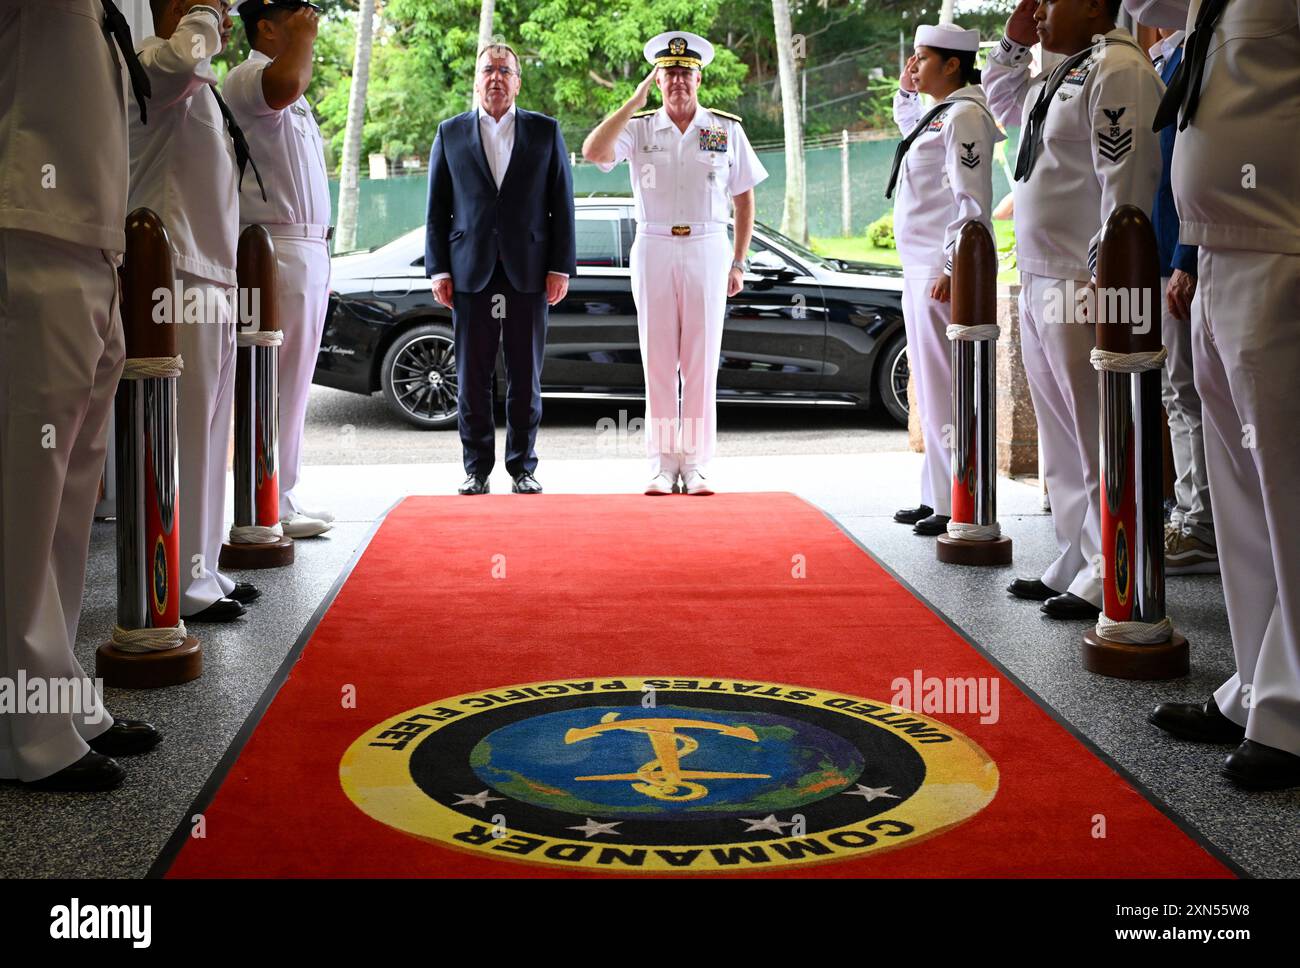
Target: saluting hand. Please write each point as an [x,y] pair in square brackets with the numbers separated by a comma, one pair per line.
[905,79]
[301,23]
[1021,26]
[642,92]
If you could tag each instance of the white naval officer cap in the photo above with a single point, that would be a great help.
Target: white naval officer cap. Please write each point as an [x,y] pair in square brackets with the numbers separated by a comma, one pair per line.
[947,37]
[678,48]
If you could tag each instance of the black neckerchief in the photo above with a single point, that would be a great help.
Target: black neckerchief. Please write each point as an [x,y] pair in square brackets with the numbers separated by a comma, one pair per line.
[1032,137]
[906,143]
[242,156]
[1184,90]
[117,26]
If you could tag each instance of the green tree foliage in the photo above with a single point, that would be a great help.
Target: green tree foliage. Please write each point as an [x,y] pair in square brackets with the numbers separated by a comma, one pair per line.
[583,58]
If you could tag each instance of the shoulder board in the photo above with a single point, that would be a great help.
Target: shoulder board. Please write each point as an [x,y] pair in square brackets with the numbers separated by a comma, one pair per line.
[645,114]
[724,114]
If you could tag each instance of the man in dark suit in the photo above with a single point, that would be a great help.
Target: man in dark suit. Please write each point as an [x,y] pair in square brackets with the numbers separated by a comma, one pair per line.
[499,248]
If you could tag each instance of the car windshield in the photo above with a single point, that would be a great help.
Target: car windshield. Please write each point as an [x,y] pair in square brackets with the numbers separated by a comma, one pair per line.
[800,250]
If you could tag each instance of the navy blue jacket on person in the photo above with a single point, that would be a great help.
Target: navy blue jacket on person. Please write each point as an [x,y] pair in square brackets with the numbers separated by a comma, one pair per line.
[527,224]
[1164,216]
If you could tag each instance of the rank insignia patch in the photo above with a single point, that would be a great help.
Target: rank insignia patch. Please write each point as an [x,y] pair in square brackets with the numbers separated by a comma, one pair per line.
[1114,143]
[970,159]
[713,139]
[666,775]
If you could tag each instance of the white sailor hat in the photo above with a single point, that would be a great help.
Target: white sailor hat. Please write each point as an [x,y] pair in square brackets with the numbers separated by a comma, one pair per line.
[251,8]
[947,37]
[678,48]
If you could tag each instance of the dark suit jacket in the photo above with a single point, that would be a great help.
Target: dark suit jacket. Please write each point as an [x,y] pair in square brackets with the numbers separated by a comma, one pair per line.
[528,223]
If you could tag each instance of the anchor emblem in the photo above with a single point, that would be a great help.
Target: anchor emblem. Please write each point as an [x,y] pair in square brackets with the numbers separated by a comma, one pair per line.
[663,778]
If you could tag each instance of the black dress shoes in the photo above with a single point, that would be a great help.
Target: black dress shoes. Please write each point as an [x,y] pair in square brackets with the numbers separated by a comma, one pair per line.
[913,515]
[91,773]
[222,610]
[245,593]
[1198,722]
[126,737]
[474,485]
[525,483]
[932,525]
[1031,589]
[1258,767]
[1069,606]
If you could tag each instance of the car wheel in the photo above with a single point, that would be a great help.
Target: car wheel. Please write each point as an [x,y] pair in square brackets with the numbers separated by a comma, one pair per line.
[418,377]
[891,378]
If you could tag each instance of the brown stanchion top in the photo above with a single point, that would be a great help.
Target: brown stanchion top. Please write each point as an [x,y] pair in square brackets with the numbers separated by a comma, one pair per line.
[974,277]
[255,268]
[1128,284]
[148,288]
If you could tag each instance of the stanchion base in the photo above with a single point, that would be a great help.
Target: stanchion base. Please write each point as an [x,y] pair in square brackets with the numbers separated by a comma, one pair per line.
[149,670]
[962,551]
[274,555]
[1123,660]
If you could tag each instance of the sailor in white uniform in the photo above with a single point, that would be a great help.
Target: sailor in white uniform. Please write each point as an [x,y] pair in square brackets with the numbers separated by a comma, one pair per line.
[265,94]
[688,165]
[944,174]
[1086,148]
[184,168]
[63,182]
[1237,187]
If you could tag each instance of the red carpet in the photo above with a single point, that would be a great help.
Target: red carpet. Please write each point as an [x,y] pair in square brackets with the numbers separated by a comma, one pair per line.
[498,649]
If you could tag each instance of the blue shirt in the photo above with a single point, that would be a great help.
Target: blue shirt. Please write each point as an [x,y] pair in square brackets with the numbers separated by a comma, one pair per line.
[1164,216]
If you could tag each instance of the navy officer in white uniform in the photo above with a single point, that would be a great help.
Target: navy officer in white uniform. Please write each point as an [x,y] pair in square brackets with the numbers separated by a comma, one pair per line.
[944,172]
[689,165]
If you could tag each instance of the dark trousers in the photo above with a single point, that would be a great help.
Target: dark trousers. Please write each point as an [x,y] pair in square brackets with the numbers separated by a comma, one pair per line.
[499,316]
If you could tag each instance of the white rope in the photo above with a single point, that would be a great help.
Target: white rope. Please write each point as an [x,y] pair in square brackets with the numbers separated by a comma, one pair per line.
[1135,633]
[255,533]
[149,640]
[974,532]
[972,333]
[152,367]
[1128,362]
[259,337]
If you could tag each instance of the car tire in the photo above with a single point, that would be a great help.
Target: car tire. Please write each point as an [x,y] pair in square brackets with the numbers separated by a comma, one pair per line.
[418,377]
[891,378]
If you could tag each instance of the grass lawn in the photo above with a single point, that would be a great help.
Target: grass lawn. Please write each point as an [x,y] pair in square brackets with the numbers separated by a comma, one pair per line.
[858,248]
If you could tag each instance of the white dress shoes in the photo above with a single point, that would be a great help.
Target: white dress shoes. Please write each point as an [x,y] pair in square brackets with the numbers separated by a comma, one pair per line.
[302,526]
[695,484]
[661,484]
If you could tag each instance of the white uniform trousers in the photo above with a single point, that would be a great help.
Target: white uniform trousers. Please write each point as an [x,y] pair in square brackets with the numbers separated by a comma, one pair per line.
[1178,392]
[929,356]
[302,297]
[679,284]
[205,401]
[1064,389]
[61,355]
[1247,355]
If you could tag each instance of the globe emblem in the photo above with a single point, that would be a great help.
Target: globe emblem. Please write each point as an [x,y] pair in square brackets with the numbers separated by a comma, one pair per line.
[672,762]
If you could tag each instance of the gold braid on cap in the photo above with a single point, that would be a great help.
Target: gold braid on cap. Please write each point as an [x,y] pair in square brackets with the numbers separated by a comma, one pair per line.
[678,54]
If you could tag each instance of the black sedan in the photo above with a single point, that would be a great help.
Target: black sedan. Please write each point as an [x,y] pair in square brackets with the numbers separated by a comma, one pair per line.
[805,330]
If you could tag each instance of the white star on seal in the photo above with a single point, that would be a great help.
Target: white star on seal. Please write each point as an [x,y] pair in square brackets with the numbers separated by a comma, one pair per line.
[871,793]
[477,800]
[767,823]
[591,828]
